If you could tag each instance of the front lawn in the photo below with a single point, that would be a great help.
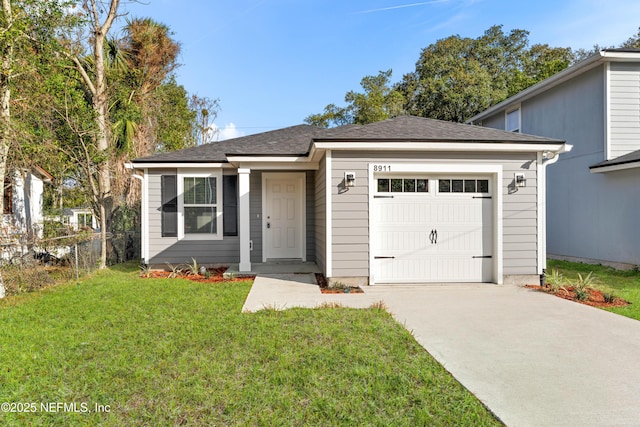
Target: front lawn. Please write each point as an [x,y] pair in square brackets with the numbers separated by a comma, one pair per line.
[175,352]
[625,284]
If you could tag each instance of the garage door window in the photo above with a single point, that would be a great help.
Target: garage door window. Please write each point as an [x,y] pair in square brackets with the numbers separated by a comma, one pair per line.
[463,185]
[403,185]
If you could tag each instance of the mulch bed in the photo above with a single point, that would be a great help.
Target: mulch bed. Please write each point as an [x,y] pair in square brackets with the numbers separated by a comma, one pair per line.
[325,289]
[595,296]
[215,276]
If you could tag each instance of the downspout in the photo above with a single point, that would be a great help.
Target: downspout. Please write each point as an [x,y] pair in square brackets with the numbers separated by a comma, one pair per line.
[547,158]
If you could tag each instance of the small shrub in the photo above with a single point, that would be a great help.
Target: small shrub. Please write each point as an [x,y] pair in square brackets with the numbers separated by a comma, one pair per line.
[193,269]
[585,282]
[609,297]
[145,271]
[581,294]
[338,285]
[556,281]
[174,269]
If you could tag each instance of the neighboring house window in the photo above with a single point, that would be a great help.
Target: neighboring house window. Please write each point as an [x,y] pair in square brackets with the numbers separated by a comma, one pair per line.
[169,219]
[200,205]
[230,205]
[85,220]
[8,196]
[513,120]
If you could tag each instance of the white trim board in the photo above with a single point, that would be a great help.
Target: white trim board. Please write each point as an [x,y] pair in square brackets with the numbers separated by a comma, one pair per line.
[328,215]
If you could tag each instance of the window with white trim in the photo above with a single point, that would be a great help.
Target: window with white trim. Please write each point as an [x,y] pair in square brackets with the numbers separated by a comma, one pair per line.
[512,120]
[200,205]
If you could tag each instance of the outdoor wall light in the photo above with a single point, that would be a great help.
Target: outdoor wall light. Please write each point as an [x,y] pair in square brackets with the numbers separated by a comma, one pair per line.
[520,180]
[349,179]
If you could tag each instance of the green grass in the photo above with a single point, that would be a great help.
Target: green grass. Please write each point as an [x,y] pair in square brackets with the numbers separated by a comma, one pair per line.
[175,352]
[625,284]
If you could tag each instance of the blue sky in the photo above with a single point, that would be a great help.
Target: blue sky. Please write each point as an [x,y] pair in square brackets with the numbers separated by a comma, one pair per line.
[273,62]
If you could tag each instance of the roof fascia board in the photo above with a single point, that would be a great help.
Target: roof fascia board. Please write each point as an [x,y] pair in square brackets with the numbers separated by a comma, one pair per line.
[268,159]
[173,165]
[441,146]
[613,168]
[279,166]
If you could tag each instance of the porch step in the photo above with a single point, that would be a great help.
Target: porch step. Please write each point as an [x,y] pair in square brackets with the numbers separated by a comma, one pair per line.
[274,267]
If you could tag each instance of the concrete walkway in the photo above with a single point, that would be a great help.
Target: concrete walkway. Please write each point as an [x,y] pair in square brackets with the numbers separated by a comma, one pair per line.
[533,359]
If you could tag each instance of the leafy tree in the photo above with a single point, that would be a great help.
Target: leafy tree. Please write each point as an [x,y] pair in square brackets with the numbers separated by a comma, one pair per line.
[27,33]
[206,111]
[457,77]
[632,42]
[454,78]
[378,102]
[175,118]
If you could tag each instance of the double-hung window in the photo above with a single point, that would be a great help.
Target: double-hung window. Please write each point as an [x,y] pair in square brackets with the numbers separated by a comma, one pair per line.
[201,205]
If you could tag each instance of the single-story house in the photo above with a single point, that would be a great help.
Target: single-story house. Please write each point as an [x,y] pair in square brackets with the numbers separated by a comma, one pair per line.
[593,193]
[405,200]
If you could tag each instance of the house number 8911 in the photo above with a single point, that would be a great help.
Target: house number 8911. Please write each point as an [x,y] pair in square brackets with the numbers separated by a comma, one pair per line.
[382,168]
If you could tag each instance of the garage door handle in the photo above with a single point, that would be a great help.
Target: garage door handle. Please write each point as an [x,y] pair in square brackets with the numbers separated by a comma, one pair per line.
[482,256]
[433,236]
[384,257]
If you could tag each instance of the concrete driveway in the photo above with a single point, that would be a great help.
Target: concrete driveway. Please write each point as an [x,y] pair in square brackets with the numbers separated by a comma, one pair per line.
[531,358]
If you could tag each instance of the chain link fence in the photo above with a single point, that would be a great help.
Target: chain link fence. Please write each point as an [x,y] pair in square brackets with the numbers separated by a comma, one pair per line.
[28,263]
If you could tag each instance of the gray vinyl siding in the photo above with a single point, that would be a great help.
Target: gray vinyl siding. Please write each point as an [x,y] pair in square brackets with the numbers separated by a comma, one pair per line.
[227,250]
[169,249]
[321,215]
[350,231]
[624,108]
[255,206]
[310,201]
[589,216]
[496,121]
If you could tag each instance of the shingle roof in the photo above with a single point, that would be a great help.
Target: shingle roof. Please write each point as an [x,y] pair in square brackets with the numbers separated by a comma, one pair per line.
[293,140]
[633,157]
[411,128]
[297,140]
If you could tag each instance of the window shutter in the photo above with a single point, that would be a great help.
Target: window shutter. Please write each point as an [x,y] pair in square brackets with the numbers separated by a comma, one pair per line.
[169,190]
[230,205]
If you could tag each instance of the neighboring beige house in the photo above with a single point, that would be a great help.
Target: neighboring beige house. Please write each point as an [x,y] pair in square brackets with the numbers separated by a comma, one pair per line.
[593,202]
[405,200]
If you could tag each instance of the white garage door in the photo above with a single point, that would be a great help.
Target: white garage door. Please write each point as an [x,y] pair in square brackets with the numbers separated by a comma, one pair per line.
[432,229]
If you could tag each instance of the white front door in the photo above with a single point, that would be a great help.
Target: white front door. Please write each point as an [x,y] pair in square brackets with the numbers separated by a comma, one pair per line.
[283,216]
[442,233]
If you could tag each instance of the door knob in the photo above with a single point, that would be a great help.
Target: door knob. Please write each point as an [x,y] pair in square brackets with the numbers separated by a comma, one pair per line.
[268,225]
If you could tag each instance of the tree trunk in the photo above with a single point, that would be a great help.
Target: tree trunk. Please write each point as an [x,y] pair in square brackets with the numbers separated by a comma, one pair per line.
[5,97]
[101,107]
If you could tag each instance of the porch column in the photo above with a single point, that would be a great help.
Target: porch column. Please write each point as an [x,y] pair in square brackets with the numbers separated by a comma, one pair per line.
[244,219]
